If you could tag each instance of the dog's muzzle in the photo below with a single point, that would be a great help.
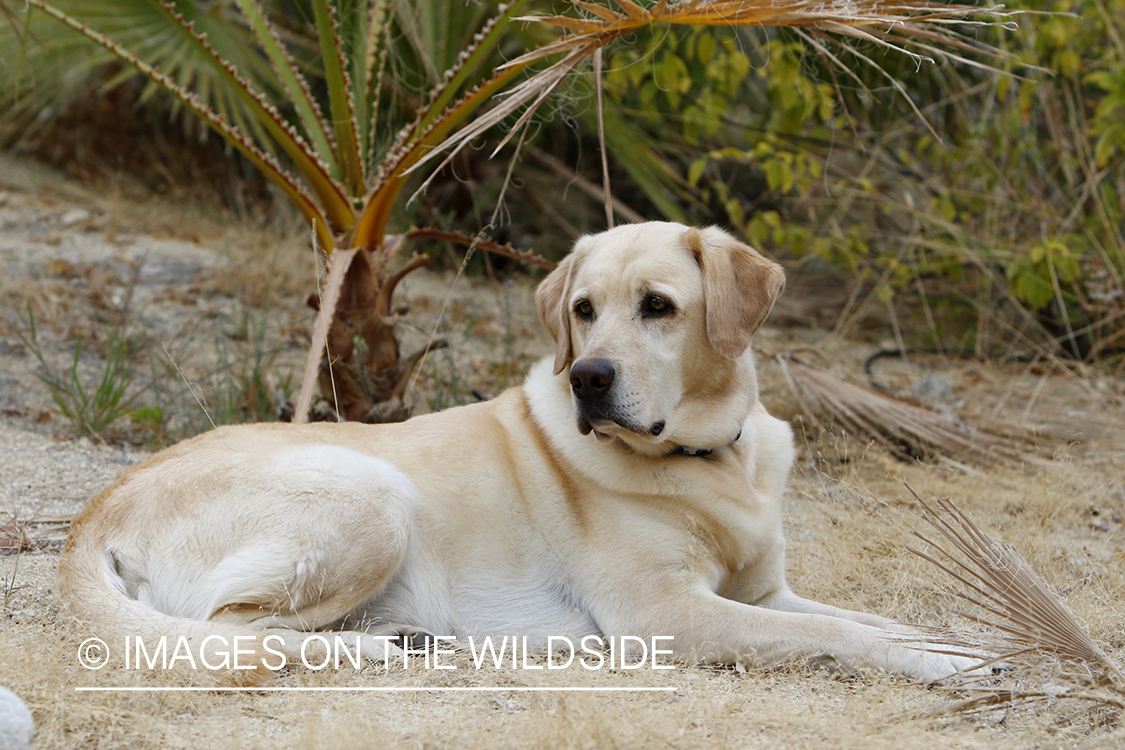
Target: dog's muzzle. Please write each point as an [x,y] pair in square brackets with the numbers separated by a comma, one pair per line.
[591,382]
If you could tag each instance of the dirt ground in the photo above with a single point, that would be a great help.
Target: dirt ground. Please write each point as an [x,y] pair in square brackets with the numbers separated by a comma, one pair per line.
[205,299]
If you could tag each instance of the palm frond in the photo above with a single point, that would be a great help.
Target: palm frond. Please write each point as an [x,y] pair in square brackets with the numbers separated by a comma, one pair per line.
[340,93]
[332,195]
[45,65]
[1039,632]
[411,150]
[907,428]
[895,26]
[375,51]
[296,87]
[483,43]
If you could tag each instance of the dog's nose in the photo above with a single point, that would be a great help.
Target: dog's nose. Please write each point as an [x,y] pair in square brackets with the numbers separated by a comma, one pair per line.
[591,378]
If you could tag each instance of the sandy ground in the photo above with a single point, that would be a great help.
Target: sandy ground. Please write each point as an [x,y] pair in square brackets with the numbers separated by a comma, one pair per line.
[198,290]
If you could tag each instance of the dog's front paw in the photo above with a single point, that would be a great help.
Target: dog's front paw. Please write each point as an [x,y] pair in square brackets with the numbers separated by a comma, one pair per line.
[938,663]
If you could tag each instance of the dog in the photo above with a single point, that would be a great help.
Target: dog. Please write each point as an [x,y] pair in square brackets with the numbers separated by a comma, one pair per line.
[632,486]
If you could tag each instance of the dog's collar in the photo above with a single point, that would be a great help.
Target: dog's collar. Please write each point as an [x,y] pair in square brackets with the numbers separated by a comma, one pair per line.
[683,450]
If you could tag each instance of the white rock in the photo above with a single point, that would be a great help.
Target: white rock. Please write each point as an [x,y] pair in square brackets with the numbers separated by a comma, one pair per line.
[16,725]
[73,217]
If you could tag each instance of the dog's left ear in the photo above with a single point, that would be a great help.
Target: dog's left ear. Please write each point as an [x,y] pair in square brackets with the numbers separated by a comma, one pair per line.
[739,288]
[551,300]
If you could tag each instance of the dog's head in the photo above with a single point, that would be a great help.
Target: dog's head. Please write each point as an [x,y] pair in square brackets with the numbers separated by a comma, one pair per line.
[653,325]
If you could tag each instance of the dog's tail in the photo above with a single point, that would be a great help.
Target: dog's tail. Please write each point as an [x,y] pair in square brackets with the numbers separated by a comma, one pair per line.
[116,628]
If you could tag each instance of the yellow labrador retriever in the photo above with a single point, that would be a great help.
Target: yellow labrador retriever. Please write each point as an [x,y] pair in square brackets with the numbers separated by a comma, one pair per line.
[631,487]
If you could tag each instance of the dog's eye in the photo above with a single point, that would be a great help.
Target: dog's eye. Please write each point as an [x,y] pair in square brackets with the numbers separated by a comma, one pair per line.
[656,306]
[584,309]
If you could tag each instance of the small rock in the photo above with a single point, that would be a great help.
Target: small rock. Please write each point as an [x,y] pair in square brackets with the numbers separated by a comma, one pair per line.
[932,387]
[70,218]
[16,725]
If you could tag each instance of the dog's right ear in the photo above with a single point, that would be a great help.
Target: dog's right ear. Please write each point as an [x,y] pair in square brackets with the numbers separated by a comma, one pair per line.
[551,299]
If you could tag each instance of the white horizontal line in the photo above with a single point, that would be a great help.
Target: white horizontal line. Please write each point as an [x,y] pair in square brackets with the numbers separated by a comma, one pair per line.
[335,689]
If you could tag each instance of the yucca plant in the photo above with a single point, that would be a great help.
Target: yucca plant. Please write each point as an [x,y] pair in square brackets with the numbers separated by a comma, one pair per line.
[350,175]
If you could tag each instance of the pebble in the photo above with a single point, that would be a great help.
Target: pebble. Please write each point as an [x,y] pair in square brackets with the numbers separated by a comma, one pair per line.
[74,216]
[16,725]
[933,387]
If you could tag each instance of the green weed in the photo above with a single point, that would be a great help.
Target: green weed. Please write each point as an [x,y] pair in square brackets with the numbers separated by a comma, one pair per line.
[89,410]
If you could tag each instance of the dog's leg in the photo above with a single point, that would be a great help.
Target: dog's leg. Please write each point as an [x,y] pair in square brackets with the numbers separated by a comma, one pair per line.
[402,635]
[291,540]
[706,627]
[763,585]
[784,600]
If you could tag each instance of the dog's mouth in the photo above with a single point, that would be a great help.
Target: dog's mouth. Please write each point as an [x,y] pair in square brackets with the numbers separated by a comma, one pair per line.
[604,427]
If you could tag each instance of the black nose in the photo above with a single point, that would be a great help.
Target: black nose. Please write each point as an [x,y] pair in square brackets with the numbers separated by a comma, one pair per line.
[591,378]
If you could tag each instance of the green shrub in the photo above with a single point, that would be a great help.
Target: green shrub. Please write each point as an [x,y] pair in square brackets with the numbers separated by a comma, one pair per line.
[1010,194]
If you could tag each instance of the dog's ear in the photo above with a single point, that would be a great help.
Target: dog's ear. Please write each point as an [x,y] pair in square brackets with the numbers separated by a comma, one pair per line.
[551,299]
[739,288]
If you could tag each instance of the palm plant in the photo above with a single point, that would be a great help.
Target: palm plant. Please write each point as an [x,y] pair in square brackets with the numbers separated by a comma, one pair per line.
[351,175]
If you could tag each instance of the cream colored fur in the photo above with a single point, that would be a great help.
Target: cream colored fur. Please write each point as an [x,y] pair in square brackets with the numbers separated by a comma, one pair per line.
[502,518]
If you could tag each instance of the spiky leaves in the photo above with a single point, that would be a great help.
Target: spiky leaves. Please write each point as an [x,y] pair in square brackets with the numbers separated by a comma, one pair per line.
[336,156]
[294,82]
[262,160]
[333,198]
[340,95]
[432,124]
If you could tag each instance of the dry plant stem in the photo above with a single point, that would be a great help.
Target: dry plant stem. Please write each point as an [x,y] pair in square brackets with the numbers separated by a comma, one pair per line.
[1016,599]
[524,256]
[191,385]
[495,220]
[590,188]
[341,260]
[437,323]
[601,139]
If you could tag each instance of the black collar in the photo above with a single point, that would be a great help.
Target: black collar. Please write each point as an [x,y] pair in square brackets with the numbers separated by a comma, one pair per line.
[683,450]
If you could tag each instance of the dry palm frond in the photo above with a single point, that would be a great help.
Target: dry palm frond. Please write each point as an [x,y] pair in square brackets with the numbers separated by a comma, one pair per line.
[1011,597]
[918,28]
[340,261]
[907,428]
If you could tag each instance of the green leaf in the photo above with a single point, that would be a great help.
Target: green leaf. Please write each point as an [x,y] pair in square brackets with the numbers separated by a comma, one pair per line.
[295,85]
[695,171]
[483,44]
[259,158]
[340,98]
